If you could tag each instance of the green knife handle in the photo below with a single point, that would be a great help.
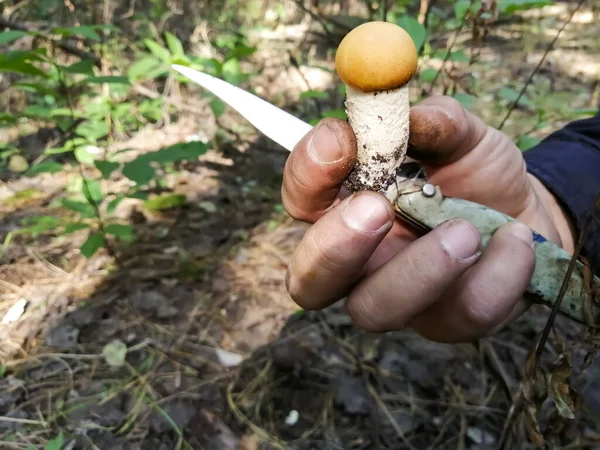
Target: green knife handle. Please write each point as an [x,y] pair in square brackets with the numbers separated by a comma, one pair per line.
[429,208]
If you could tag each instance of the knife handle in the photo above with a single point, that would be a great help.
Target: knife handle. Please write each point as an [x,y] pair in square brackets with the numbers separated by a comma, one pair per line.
[428,208]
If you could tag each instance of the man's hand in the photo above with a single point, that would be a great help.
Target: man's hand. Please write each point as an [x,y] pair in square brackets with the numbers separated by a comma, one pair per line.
[440,284]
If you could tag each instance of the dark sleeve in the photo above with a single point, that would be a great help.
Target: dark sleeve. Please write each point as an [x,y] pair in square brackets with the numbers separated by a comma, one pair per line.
[568,163]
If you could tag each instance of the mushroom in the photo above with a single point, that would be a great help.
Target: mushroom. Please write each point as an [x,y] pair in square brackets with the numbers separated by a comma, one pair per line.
[376,61]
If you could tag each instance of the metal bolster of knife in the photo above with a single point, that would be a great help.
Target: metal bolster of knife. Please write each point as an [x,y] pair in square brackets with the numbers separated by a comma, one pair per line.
[428,208]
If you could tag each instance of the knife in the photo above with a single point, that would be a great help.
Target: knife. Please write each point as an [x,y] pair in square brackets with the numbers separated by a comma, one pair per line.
[425,207]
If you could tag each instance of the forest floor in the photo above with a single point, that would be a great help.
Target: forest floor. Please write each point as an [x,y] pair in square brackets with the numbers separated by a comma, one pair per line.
[217,354]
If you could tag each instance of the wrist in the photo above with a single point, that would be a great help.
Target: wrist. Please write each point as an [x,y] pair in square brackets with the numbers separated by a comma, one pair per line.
[565,228]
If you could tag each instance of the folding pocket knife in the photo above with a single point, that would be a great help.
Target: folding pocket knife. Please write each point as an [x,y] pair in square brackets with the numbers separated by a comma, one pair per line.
[423,206]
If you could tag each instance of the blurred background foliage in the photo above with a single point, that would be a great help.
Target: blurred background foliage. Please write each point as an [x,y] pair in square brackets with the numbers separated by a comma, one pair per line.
[92,73]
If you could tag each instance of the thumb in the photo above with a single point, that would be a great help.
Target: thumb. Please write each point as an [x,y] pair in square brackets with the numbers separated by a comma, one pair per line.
[442,131]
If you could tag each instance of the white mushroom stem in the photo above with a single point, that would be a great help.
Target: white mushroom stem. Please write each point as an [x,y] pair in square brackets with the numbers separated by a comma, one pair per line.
[380,121]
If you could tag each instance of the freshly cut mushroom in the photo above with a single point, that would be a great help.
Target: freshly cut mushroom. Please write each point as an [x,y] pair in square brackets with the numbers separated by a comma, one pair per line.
[376,61]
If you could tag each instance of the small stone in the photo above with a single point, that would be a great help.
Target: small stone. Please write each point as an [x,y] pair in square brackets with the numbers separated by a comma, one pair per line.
[353,396]
[64,336]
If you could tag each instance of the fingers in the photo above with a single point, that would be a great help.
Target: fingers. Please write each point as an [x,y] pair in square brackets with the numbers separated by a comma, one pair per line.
[391,297]
[467,158]
[441,287]
[316,169]
[442,131]
[333,253]
[489,295]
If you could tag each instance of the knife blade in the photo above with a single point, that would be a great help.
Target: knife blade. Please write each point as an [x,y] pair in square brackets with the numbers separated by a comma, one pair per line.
[275,123]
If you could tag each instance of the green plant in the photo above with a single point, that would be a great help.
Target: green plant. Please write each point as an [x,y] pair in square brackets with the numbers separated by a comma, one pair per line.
[90,108]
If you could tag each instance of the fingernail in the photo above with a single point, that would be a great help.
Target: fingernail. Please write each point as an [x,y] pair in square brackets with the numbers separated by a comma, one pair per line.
[460,240]
[324,146]
[366,212]
[521,231]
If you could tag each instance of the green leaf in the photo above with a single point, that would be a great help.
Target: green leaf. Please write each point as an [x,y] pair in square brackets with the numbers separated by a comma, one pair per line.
[174,44]
[336,113]
[37,111]
[123,232]
[20,67]
[45,167]
[240,51]
[512,6]
[510,95]
[74,227]
[56,443]
[41,225]
[122,110]
[232,72]
[158,50]
[189,151]
[97,109]
[313,94]
[40,88]
[106,168]
[138,195]
[416,31]
[459,56]
[461,7]
[143,68]
[84,155]
[112,205]
[107,79]
[93,243]
[38,54]
[84,209]
[467,101]
[65,112]
[218,107]
[83,67]
[428,75]
[2,371]
[92,190]
[84,31]
[526,142]
[139,171]
[92,130]
[7,37]
[585,111]
[456,55]
[163,202]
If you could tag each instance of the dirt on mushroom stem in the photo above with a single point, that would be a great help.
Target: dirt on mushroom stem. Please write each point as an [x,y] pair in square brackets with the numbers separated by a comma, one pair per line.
[381,127]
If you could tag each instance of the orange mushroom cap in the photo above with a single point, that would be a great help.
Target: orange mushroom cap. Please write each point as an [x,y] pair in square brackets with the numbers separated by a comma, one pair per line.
[376,56]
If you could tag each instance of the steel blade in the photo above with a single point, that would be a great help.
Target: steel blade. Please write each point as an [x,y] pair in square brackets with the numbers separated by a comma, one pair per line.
[275,123]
